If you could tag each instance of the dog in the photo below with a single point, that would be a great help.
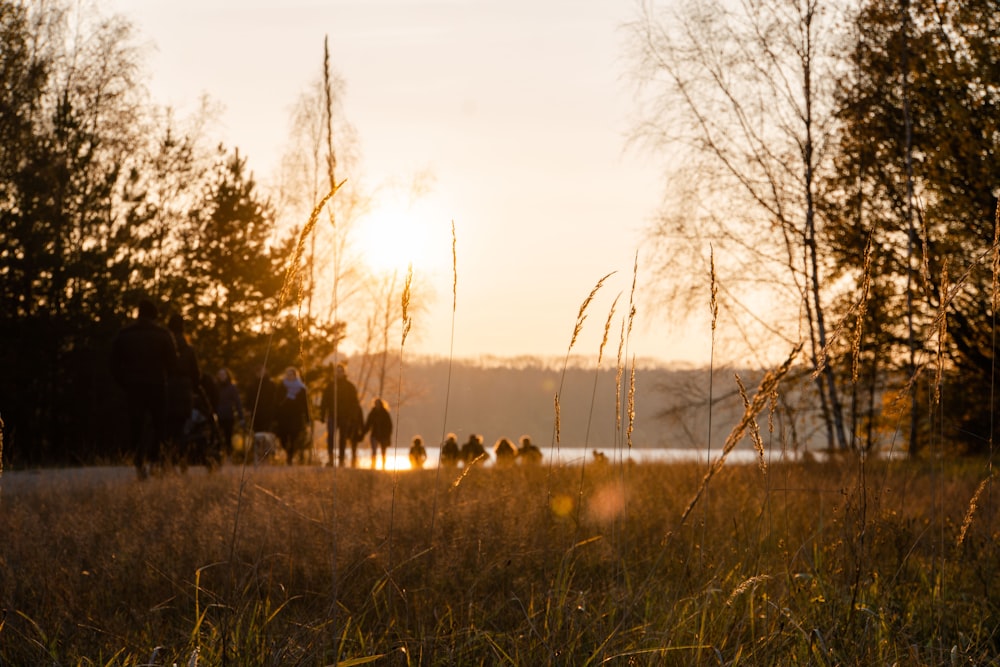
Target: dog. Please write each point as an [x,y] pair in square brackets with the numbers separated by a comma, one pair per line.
[265,444]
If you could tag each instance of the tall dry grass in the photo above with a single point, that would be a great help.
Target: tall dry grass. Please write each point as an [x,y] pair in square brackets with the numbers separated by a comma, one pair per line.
[105,573]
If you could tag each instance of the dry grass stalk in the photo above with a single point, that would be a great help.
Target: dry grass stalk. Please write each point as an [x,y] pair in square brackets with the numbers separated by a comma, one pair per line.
[580,317]
[772,409]
[824,351]
[607,329]
[925,268]
[405,300]
[293,267]
[465,471]
[942,331]
[631,295]
[714,303]
[600,357]
[454,269]
[451,350]
[996,258]
[582,314]
[627,335]
[946,298]
[618,380]
[745,586]
[973,506]
[862,310]
[331,155]
[631,404]
[558,422]
[768,384]
[758,443]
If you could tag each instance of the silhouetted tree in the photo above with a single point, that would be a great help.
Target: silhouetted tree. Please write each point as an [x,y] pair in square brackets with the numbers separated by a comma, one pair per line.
[917,175]
[69,104]
[742,91]
[235,260]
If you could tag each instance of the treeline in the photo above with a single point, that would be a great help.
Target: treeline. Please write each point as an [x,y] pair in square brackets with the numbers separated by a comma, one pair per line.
[107,198]
[670,407]
[841,169]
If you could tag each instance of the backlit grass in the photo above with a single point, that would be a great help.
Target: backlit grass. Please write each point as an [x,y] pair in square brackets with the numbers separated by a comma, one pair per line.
[798,564]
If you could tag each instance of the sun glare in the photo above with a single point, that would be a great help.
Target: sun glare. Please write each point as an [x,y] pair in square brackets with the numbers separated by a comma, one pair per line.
[392,237]
[399,461]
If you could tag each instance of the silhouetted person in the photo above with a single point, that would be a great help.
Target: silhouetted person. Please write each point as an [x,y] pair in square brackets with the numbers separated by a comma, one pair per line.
[528,452]
[473,449]
[600,458]
[228,409]
[182,386]
[262,400]
[344,418]
[505,452]
[418,454]
[292,412]
[379,425]
[203,433]
[450,452]
[143,355]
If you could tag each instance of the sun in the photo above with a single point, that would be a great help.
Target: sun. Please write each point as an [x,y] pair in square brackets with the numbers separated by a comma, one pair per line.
[393,237]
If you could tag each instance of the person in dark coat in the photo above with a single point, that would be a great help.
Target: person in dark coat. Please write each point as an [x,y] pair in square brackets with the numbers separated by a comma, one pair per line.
[450,451]
[473,449]
[292,412]
[529,453]
[418,453]
[379,424]
[143,355]
[228,409]
[182,386]
[262,401]
[505,453]
[345,421]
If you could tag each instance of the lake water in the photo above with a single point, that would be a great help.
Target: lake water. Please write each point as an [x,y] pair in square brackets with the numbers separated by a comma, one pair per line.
[398,457]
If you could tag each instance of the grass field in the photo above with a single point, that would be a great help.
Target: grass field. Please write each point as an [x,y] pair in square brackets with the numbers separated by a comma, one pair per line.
[798,564]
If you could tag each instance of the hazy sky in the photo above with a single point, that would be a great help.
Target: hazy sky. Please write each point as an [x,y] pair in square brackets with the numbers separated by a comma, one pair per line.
[519,109]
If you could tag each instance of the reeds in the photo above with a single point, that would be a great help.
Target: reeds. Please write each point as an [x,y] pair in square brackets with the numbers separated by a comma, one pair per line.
[577,328]
[767,386]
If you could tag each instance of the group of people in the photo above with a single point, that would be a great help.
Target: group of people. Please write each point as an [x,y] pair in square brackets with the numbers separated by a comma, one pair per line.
[473,451]
[176,413]
[506,452]
[284,409]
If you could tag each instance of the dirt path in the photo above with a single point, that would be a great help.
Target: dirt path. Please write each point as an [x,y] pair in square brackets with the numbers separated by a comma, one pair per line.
[16,481]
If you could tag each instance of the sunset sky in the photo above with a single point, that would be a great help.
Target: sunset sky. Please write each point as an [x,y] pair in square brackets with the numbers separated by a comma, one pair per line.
[520,111]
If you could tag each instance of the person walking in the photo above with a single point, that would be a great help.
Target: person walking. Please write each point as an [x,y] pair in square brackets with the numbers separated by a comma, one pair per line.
[143,356]
[345,421]
[228,409]
[379,424]
[292,412]
[182,385]
[263,397]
